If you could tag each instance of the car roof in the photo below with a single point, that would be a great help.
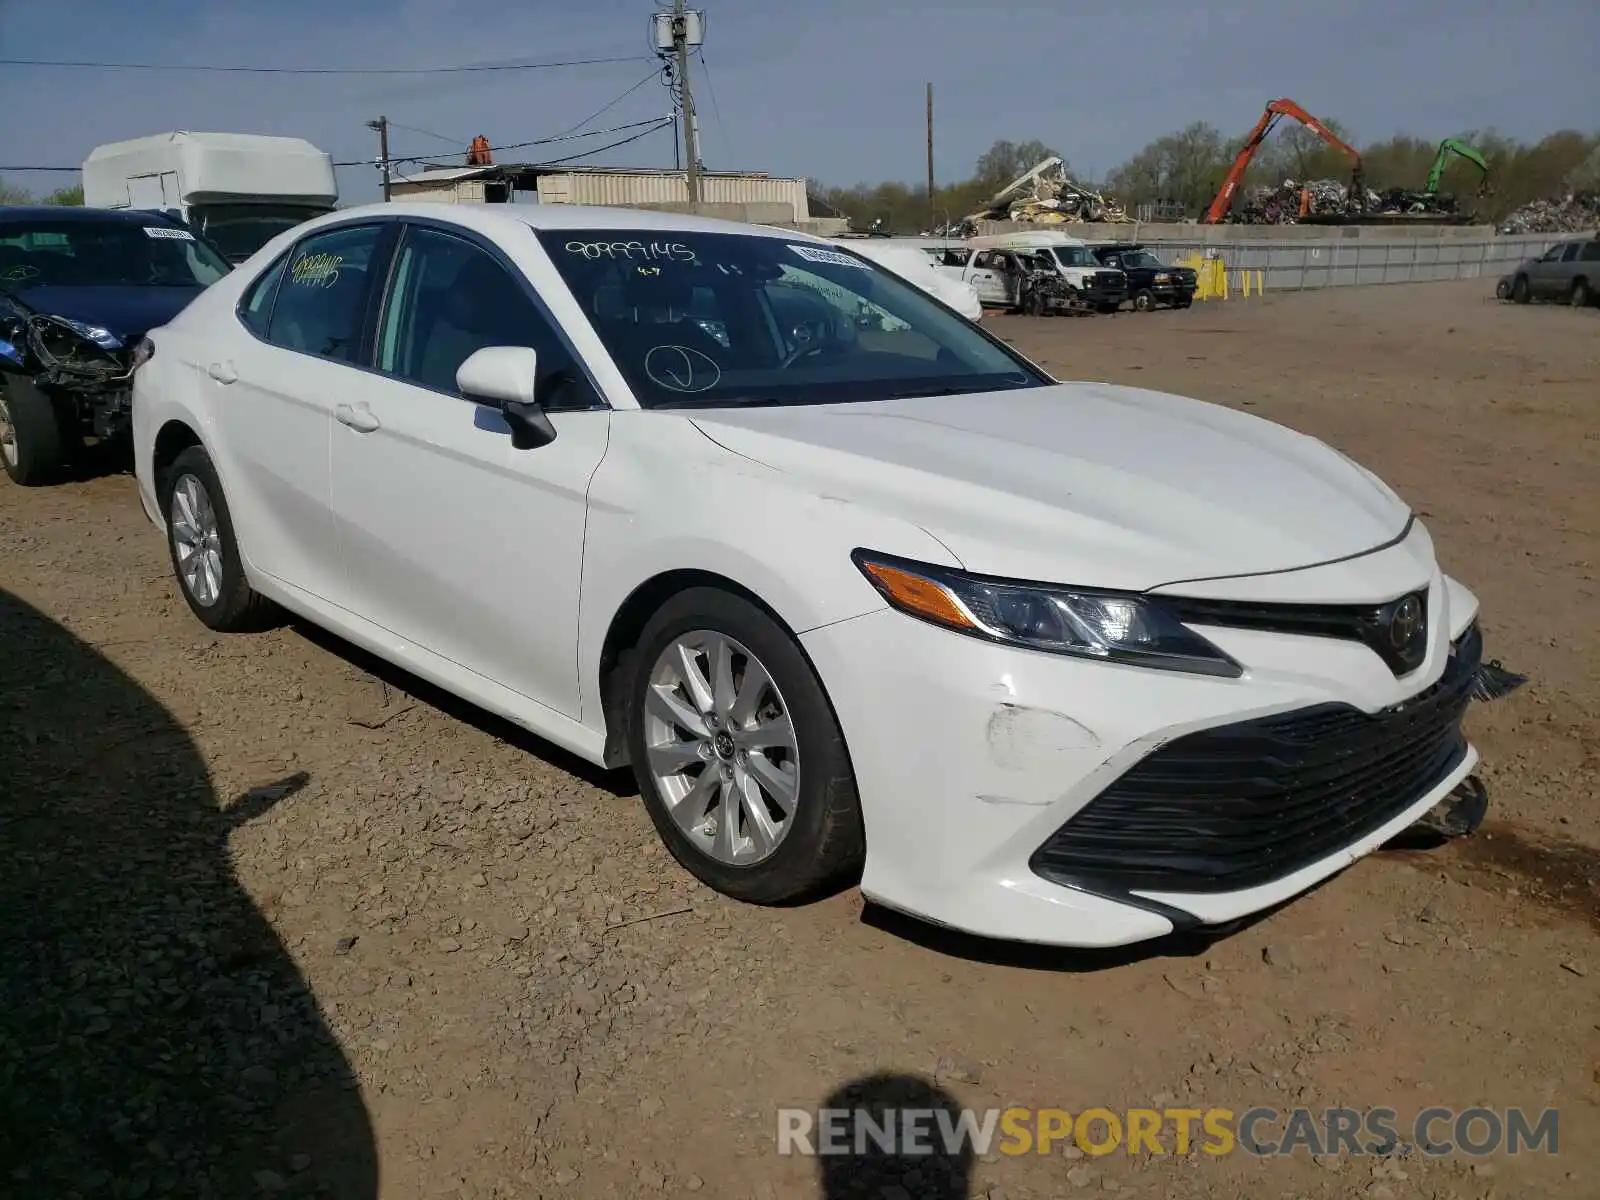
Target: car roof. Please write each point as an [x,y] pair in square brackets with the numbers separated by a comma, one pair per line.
[487,218]
[27,214]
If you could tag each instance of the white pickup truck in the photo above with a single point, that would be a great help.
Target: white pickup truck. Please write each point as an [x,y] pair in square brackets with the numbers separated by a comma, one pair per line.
[981,261]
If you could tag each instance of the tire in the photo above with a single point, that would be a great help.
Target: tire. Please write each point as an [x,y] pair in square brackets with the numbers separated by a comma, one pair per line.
[1187,302]
[33,445]
[821,841]
[199,523]
[1144,300]
[1519,290]
[1580,296]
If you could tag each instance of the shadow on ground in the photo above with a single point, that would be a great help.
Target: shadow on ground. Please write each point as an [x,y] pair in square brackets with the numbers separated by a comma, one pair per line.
[156,1037]
[891,1128]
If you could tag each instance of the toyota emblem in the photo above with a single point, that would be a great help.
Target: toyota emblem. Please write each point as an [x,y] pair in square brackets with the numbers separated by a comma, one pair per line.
[1405,623]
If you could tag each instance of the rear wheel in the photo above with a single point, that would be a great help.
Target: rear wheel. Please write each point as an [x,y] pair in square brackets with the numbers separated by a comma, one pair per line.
[1519,290]
[203,548]
[1580,295]
[737,753]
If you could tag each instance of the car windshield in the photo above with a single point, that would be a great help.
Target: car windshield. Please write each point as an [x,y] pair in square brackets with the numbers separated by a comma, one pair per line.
[1074,256]
[239,230]
[87,253]
[1140,258]
[714,319]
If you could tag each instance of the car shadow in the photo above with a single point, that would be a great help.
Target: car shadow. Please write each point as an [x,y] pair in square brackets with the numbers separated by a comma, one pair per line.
[890,1128]
[156,1037]
[619,783]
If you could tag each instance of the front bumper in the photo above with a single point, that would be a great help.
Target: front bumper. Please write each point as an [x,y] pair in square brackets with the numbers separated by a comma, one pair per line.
[971,759]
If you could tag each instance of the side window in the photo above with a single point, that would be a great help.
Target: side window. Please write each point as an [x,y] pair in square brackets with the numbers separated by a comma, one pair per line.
[449,298]
[1570,254]
[323,294]
[257,306]
[1591,252]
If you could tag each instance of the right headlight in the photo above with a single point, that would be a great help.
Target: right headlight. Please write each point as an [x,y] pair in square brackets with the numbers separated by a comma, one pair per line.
[1119,627]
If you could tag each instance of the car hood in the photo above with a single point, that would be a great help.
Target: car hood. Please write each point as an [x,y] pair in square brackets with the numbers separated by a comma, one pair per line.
[1081,483]
[128,312]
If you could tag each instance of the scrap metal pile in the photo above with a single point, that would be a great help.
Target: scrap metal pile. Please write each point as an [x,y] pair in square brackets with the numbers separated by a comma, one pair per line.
[1289,201]
[1293,201]
[1047,195]
[1574,213]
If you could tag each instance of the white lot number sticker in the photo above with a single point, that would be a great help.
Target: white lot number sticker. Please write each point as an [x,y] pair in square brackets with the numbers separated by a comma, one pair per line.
[167,231]
[817,254]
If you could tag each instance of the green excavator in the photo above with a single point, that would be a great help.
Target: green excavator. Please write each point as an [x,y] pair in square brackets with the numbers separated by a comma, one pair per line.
[1452,146]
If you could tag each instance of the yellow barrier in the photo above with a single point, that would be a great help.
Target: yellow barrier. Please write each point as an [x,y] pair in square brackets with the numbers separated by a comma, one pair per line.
[1215,282]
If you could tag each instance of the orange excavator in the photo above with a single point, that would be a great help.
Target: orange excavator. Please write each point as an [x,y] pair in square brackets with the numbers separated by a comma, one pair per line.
[1269,120]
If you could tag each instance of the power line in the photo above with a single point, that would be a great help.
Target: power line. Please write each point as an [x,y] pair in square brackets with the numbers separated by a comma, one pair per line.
[609,105]
[429,133]
[653,124]
[716,109]
[544,141]
[144,66]
[660,123]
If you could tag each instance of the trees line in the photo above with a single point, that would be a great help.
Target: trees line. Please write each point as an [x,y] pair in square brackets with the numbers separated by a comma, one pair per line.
[1187,168]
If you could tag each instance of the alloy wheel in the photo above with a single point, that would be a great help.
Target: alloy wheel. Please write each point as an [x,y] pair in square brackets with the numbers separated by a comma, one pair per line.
[197,540]
[721,747]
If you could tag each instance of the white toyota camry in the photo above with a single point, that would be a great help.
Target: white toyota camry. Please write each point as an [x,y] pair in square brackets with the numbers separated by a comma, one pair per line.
[858,591]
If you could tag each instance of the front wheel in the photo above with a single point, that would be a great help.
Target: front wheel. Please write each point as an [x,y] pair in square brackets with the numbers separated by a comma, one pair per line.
[204,549]
[1143,300]
[1520,293]
[738,755]
[33,443]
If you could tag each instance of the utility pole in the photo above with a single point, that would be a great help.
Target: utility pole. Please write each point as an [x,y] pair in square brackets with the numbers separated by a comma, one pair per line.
[933,215]
[382,126]
[691,147]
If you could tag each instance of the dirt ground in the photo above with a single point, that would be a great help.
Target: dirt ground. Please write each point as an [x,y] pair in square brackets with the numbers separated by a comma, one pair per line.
[284,921]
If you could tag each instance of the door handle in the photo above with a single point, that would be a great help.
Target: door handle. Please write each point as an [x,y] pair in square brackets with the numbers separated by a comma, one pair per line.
[222,372]
[358,417]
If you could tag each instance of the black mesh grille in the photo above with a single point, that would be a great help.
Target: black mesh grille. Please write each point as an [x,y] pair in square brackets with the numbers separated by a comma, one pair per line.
[1244,804]
[1108,279]
[1365,623]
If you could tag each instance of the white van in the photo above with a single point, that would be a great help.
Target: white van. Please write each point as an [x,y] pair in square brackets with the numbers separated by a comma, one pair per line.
[238,189]
[1103,288]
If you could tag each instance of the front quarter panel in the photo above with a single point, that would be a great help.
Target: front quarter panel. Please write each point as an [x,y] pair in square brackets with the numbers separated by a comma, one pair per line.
[667,498]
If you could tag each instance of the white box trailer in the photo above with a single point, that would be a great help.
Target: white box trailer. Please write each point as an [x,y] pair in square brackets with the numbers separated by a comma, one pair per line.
[239,189]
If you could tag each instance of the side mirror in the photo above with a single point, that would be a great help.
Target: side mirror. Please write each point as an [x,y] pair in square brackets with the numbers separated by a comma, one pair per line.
[506,378]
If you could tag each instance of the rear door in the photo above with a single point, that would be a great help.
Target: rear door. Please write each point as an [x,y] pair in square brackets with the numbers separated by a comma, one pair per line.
[455,541]
[275,380]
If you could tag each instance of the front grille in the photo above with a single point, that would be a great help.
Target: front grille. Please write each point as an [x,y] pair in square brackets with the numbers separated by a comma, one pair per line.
[1364,623]
[1108,280]
[1241,805]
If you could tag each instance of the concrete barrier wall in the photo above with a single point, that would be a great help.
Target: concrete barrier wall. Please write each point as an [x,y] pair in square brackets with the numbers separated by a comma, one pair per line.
[1297,257]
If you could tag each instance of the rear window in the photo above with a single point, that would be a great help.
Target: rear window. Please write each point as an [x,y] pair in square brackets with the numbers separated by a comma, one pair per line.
[1591,253]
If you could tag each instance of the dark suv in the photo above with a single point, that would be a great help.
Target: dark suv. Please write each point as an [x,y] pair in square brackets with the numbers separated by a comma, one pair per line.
[1151,282]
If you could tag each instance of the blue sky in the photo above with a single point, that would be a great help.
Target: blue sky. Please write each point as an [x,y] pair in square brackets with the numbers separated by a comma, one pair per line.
[831,89]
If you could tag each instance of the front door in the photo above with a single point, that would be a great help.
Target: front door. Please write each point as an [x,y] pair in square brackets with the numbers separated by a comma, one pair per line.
[987,277]
[454,541]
